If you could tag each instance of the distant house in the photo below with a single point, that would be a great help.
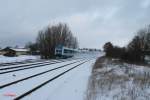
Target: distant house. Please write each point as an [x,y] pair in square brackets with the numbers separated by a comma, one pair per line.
[21,51]
[1,52]
[37,52]
[14,51]
[147,55]
[146,52]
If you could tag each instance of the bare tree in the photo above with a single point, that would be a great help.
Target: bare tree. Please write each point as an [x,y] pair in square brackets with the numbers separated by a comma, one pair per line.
[108,48]
[52,36]
[144,37]
[140,44]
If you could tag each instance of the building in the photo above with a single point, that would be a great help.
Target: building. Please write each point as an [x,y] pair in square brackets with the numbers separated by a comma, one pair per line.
[1,52]
[14,51]
[147,52]
[21,51]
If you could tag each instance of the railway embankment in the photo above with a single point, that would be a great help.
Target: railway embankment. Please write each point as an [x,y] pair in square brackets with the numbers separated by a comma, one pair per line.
[112,79]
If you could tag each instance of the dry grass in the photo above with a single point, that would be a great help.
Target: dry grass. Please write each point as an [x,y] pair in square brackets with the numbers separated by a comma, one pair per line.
[115,80]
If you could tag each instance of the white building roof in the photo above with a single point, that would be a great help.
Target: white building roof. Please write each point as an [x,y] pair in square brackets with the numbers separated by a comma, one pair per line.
[20,49]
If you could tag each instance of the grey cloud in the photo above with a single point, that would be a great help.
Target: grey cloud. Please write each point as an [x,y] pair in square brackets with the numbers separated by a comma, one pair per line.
[94,22]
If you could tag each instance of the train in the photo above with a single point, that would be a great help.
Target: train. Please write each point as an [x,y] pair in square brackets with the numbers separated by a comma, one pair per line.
[64,52]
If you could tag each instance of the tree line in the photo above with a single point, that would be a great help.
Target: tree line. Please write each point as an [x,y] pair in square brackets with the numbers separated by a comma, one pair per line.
[136,49]
[50,37]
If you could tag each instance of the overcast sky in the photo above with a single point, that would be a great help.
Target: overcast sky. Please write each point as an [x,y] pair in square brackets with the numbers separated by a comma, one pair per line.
[93,22]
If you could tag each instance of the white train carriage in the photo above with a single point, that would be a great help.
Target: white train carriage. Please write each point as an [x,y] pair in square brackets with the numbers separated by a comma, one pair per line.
[61,51]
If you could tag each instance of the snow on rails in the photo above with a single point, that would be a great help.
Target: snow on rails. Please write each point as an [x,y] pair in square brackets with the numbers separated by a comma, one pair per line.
[18,80]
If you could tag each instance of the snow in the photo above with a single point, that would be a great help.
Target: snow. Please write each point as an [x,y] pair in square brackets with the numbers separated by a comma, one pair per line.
[8,77]
[4,59]
[24,86]
[70,86]
[20,49]
[119,81]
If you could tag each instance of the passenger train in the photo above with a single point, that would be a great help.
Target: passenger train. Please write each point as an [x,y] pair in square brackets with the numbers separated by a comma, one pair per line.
[64,52]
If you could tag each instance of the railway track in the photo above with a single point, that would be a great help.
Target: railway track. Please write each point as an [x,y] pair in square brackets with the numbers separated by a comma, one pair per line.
[17,63]
[19,68]
[45,82]
[30,80]
[26,61]
[38,74]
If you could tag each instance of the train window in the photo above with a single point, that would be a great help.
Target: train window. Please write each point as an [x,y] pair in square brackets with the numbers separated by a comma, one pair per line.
[58,51]
[65,51]
[68,51]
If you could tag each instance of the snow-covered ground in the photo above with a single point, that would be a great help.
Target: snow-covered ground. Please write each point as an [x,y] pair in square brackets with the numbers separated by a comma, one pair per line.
[4,59]
[115,80]
[70,86]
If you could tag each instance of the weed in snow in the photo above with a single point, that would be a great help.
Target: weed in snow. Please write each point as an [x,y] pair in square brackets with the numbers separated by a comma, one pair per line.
[118,81]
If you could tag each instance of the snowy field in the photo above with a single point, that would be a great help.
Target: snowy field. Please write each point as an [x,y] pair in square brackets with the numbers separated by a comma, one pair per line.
[115,80]
[47,80]
[4,59]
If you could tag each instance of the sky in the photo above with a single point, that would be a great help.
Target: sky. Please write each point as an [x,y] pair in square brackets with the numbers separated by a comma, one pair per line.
[93,22]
